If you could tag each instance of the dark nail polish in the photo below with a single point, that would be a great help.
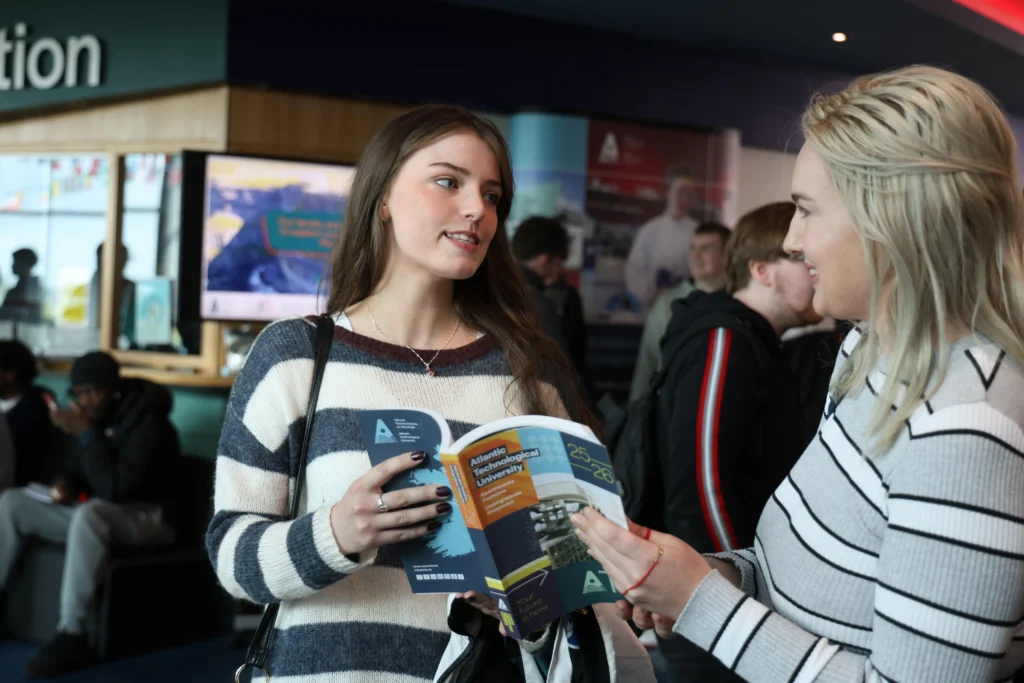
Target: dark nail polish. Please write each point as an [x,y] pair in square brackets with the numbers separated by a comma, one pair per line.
[443,508]
[443,492]
[433,526]
[419,455]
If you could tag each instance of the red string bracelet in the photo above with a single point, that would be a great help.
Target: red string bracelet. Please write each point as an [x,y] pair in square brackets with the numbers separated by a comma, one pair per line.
[661,551]
[647,534]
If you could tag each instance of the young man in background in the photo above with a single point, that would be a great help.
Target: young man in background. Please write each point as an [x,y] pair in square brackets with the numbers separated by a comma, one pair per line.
[119,491]
[541,247]
[707,272]
[730,423]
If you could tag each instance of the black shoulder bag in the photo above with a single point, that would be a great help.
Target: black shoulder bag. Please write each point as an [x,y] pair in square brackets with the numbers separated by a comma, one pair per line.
[256,657]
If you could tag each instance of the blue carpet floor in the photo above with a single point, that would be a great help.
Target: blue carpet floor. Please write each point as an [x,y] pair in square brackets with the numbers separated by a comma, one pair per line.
[209,661]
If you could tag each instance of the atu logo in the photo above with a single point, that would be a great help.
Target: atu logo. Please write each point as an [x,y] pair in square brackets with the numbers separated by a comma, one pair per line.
[46,62]
[609,150]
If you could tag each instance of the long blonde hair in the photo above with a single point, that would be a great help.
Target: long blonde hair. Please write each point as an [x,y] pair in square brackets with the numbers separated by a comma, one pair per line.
[926,165]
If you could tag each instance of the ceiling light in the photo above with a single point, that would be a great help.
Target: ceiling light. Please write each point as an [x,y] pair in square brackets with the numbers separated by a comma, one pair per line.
[839,37]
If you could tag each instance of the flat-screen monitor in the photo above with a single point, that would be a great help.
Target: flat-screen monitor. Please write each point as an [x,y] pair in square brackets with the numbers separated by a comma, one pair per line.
[268,226]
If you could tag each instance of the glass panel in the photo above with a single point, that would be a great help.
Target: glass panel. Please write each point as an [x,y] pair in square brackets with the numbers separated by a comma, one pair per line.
[144,175]
[73,285]
[24,183]
[52,218]
[52,224]
[22,239]
[79,184]
[151,231]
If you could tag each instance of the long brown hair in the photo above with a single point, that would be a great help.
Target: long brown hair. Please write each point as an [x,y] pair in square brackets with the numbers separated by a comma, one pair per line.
[494,300]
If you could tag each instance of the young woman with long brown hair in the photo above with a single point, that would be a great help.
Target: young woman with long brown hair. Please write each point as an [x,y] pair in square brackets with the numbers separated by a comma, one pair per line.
[430,312]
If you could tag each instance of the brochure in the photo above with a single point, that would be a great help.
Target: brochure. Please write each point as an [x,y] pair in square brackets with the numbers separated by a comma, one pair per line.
[516,482]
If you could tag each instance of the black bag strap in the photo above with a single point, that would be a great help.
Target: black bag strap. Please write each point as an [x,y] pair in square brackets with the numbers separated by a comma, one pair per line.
[256,657]
[324,337]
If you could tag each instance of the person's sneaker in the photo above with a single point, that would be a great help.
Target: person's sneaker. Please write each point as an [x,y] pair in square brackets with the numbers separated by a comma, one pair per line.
[67,652]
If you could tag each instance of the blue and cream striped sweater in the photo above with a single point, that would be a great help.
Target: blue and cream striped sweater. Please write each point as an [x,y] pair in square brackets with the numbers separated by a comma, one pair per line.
[906,565]
[340,621]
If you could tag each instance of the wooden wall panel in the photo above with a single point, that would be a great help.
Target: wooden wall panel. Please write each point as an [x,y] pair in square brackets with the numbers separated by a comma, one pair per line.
[166,123]
[304,126]
[111,285]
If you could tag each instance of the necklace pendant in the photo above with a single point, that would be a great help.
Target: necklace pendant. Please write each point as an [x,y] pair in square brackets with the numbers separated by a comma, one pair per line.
[431,372]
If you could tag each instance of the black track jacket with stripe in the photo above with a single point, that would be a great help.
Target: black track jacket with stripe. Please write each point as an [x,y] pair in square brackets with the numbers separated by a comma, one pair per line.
[729,431]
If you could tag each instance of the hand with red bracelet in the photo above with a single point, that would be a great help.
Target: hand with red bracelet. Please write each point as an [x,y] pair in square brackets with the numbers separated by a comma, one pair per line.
[644,619]
[656,572]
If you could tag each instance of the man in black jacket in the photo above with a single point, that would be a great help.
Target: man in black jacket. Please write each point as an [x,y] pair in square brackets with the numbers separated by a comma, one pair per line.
[730,421]
[38,448]
[541,246]
[118,491]
[812,356]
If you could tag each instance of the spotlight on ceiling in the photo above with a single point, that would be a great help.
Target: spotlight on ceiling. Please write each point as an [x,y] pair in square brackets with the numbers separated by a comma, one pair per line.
[839,37]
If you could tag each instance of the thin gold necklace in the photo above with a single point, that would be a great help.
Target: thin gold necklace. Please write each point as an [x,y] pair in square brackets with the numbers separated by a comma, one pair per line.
[426,364]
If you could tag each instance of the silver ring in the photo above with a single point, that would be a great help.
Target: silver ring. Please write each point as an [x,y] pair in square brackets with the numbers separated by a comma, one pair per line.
[242,668]
[381,505]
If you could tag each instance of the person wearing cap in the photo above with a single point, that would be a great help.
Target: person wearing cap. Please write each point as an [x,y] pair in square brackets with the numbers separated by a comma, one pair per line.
[117,491]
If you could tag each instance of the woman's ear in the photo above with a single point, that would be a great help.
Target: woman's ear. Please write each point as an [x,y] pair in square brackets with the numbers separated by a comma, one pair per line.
[385,213]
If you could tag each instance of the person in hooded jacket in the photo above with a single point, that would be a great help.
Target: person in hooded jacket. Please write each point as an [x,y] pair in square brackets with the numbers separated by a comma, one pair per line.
[731,424]
[541,248]
[117,491]
[39,449]
[812,353]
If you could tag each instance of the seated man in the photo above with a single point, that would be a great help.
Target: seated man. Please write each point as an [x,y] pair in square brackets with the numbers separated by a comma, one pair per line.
[118,490]
[39,449]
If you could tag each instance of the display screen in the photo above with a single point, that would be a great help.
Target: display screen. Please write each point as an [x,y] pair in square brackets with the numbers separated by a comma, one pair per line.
[268,229]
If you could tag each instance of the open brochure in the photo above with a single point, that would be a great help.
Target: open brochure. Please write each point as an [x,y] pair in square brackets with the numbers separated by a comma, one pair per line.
[516,483]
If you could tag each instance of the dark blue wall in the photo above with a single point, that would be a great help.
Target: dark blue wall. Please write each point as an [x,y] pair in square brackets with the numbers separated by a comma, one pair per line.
[441,52]
[403,51]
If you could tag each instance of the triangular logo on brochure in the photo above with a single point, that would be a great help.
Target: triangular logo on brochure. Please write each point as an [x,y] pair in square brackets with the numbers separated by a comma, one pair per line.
[609,150]
[501,605]
[592,584]
[384,434]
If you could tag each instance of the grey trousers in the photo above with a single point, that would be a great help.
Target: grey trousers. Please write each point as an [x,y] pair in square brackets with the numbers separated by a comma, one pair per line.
[88,530]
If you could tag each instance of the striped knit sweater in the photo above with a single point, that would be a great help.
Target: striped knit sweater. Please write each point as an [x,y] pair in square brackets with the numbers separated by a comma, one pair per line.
[340,620]
[901,566]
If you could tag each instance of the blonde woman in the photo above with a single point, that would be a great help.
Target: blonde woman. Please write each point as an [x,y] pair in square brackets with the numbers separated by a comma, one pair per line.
[894,550]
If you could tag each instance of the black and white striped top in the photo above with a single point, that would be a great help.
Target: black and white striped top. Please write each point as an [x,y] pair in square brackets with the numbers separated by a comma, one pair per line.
[340,621]
[901,566]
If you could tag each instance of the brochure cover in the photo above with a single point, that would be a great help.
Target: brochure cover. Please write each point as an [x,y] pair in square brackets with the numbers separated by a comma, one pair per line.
[516,483]
[444,561]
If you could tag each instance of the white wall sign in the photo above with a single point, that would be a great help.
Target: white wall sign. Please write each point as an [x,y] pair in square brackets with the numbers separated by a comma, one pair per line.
[45,63]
